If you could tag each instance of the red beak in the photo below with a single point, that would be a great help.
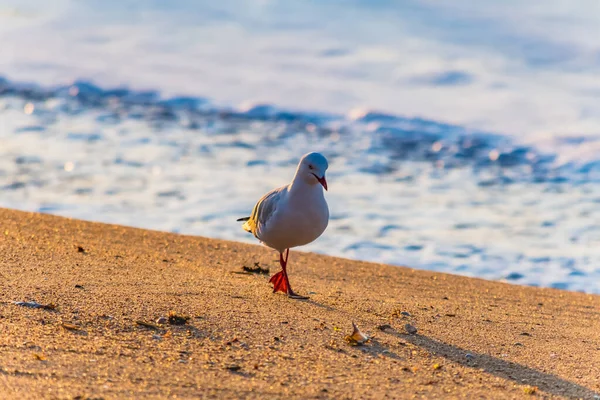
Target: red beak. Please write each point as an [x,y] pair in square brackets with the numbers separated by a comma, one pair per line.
[322,181]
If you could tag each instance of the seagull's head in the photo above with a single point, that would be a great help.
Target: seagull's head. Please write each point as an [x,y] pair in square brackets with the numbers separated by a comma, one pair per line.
[312,169]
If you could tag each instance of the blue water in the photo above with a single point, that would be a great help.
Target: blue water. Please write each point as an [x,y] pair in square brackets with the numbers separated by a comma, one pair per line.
[460,138]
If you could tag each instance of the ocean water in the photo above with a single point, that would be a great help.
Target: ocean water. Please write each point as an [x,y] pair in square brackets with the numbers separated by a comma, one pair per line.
[461,137]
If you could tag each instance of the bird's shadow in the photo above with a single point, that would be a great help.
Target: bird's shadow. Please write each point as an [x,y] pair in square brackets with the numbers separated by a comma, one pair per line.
[320,305]
[517,373]
[375,348]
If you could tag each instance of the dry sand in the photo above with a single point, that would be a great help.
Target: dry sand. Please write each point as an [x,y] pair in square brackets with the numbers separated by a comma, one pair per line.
[475,339]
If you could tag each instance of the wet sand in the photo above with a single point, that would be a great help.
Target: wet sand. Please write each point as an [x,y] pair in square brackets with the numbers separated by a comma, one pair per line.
[105,286]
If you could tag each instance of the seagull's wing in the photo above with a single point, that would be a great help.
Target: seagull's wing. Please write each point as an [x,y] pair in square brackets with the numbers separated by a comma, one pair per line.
[263,210]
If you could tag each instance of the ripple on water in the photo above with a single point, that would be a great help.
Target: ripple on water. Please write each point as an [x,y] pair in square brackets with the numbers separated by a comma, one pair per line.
[30,128]
[253,163]
[389,229]
[171,193]
[367,245]
[514,276]
[28,160]
[560,285]
[14,186]
[84,137]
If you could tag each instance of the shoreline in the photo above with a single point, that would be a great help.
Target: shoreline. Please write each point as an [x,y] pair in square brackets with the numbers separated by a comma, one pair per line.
[253,241]
[109,285]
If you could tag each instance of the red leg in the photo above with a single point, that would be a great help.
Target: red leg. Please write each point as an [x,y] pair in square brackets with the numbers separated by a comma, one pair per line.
[280,280]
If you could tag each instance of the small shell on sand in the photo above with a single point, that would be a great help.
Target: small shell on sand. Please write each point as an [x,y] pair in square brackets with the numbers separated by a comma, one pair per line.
[357,338]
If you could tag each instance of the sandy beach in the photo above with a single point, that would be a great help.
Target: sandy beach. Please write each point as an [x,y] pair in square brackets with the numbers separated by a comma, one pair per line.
[101,289]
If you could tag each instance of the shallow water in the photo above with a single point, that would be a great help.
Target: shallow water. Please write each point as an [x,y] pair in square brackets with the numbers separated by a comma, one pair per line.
[520,205]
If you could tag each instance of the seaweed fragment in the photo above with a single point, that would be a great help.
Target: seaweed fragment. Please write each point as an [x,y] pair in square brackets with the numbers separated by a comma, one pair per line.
[257,269]
[35,304]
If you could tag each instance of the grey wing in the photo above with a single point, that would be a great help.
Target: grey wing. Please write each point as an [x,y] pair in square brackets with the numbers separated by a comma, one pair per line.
[263,211]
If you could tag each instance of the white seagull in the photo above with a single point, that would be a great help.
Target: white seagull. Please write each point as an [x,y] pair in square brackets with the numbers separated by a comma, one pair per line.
[292,215]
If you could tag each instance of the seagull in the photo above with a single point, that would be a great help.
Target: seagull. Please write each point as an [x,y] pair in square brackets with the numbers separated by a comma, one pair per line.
[292,215]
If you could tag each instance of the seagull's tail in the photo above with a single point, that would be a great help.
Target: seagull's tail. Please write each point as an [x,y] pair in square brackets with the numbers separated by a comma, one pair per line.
[248,225]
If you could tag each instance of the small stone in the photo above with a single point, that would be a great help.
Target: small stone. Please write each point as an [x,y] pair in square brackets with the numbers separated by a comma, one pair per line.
[405,313]
[469,356]
[384,327]
[70,327]
[410,329]
[233,367]
[162,320]
[530,390]
[518,344]
[175,319]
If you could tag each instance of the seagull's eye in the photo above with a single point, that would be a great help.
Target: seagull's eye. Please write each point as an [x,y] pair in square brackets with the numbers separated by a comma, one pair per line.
[310,167]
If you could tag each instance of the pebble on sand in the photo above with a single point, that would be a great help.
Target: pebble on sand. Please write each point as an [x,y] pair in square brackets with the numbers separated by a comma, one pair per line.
[410,329]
